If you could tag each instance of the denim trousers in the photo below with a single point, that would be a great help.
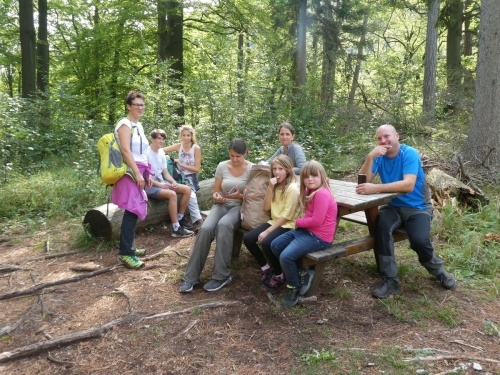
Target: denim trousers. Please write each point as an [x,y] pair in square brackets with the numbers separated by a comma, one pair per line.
[221,223]
[250,239]
[417,224]
[127,233]
[293,245]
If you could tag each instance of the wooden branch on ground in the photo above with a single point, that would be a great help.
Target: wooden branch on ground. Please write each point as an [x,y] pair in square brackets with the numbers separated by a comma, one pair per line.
[45,310]
[188,328]
[191,309]
[8,269]
[7,330]
[152,266]
[452,357]
[122,292]
[52,359]
[64,340]
[179,254]
[41,286]
[59,255]
[273,300]
[156,255]
[83,268]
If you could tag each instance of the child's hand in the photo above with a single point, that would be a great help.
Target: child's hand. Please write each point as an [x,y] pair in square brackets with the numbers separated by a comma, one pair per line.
[273,181]
[262,236]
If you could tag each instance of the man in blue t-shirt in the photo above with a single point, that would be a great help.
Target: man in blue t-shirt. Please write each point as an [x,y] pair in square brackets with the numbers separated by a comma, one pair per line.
[400,170]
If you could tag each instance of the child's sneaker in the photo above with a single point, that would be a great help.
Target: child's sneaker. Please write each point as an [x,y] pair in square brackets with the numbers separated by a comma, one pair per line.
[274,285]
[305,280]
[184,223]
[182,232]
[291,296]
[131,261]
[265,276]
[140,252]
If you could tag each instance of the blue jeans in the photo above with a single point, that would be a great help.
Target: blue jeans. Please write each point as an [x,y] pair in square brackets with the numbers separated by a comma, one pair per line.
[293,245]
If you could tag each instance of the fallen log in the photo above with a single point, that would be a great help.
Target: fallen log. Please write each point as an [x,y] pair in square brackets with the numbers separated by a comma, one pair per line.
[105,221]
[37,287]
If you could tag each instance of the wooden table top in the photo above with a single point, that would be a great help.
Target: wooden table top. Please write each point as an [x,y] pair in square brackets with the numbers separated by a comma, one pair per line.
[346,196]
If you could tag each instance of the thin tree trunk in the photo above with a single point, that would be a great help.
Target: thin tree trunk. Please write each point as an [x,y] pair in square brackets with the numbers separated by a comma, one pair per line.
[28,48]
[358,64]
[453,51]
[468,44]
[328,64]
[429,105]
[42,50]
[174,47]
[241,55]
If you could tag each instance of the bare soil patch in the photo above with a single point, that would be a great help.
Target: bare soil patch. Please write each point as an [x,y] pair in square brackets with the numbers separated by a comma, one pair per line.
[248,335]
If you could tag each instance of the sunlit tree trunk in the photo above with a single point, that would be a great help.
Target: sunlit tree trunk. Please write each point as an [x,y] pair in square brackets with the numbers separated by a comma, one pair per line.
[429,105]
[301,44]
[174,47]
[468,44]
[28,43]
[483,143]
[329,47]
[355,77]
[241,55]
[42,48]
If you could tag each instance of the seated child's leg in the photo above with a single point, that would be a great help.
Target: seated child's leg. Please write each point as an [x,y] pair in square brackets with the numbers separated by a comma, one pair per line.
[250,239]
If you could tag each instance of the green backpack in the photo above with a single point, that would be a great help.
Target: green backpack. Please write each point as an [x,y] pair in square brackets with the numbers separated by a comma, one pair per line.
[173,170]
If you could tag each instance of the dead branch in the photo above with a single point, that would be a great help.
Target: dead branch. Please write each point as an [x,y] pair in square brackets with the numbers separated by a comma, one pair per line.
[45,310]
[52,359]
[83,268]
[157,255]
[452,357]
[47,244]
[464,344]
[40,286]
[191,309]
[12,269]
[150,267]
[122,292]
[59,255]
[188,328]
[179,254]
[64,340]
[7,330]
[306,300]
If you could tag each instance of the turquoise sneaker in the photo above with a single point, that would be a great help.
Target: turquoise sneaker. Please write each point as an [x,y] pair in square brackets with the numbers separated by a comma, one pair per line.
[140,252]
[131,261]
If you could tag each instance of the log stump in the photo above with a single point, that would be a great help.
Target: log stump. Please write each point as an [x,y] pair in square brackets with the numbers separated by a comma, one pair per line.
[105,221]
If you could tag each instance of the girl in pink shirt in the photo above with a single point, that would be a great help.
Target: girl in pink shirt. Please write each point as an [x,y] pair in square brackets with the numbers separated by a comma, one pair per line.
[314,232]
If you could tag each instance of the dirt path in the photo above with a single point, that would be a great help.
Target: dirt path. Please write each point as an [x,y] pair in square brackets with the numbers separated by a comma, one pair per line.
[249,334]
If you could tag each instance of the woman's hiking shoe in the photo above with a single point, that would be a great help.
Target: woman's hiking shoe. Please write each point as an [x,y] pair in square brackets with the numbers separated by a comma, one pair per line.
[182,232]
[186,287]
[197,225]
[387,288]
[184,223]
[131,261]
[274,285]
[305,279]
[214,285]
[140,252]
[291,296]
[265,276]
[447,280]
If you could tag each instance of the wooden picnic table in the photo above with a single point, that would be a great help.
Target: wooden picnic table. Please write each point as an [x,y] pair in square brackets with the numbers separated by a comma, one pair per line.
[358,208]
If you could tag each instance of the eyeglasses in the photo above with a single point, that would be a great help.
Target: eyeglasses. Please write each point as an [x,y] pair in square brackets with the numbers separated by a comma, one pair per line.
[139,105]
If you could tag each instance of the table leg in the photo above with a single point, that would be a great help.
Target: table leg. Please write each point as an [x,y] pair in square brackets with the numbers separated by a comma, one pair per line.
[371,221]
[318,273]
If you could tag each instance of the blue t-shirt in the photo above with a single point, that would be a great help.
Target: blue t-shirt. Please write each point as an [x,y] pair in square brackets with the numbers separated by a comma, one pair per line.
[393,169]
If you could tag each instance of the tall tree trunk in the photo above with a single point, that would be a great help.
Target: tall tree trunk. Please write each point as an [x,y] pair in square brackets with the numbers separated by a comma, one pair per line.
[113,84]
[358,63]
[328,64]
[28,50]
[42,50]
[468,44]
[482,147]
[301,44]
[162,30]
[174,47]
[241,56]
[429,105]
[453,51]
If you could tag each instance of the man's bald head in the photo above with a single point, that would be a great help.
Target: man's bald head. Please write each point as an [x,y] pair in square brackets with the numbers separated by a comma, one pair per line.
[388,137]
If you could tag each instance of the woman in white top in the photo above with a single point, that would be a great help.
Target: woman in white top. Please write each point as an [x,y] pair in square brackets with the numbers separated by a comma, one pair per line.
[224,219]
[189,163]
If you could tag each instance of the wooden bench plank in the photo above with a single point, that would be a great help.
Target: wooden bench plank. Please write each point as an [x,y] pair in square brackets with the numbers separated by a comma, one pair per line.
[356,217]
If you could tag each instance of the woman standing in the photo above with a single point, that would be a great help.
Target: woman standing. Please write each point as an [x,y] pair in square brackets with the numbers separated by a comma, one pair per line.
[222,221]
[286,134]
[189,163]
[128,193]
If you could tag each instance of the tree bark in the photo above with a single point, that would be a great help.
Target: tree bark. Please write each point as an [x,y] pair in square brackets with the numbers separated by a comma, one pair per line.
[453,51]
[328,65]
[301,44]
[358,63]
[174,47]
[482,147]
[429,105]
[42,48]
[105,221]
[28,48]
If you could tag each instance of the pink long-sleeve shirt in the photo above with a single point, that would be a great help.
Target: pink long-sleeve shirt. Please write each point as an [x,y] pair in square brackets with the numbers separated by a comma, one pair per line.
[320,216]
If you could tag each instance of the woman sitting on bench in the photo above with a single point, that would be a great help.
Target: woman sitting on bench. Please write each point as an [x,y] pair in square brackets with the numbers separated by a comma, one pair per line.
[222,221]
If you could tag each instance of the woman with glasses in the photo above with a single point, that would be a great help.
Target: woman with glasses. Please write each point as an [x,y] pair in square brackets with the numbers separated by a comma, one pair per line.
[128,193]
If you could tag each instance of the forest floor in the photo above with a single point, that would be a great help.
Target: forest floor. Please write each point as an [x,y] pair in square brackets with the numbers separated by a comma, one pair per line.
[237,329]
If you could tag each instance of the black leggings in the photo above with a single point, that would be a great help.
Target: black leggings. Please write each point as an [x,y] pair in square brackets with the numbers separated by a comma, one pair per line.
[250,239]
